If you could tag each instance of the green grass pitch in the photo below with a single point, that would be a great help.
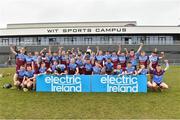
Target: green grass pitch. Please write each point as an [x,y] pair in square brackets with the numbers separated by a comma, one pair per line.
[152,105]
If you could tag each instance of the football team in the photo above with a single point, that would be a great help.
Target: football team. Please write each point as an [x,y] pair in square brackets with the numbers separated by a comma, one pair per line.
[88,62]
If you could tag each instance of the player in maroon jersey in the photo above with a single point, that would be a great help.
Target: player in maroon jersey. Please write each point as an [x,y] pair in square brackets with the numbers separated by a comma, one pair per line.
[20,57]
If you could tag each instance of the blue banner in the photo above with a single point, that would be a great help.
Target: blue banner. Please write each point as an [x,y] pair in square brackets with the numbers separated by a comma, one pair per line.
[91,83]
[63,83]
[112,83]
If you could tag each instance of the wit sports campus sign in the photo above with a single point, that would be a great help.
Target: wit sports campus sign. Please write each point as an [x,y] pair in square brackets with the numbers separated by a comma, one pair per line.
[87,30]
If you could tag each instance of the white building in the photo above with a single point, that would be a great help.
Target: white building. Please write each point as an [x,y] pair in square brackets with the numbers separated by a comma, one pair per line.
[88,33]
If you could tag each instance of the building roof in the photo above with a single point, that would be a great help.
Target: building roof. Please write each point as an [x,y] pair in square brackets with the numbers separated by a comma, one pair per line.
[72,24]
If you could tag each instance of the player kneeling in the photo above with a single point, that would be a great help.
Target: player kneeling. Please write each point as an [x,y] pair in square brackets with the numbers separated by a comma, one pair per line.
[118,71]
[130,69]
[18,77]
[29,78]
[142,70]
[157,81]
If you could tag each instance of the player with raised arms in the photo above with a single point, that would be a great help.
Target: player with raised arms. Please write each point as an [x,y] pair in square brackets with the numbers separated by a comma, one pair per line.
[132,56]
[109,67]
[143,59]
[99,56]
[20,57]
[46,57]
[114,59]
[158,73]
[122,58]
[154,58]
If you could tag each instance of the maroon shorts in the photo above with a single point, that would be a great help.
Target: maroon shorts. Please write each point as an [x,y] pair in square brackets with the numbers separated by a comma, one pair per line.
[81,70]
[71,72]
[63,62]
[88,72]
[20,79]
[109,72]
[47,65]
[115,63]
[154,65]
[36,69]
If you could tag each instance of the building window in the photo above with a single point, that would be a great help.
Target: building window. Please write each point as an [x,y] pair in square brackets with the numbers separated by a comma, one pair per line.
[5,41]
[88,40]
[102,40]
[52,41]
[127,40]
[162,40]
[147,40]
[74,40]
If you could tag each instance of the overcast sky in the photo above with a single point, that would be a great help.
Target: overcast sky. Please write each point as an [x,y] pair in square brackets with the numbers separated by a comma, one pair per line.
[145,12]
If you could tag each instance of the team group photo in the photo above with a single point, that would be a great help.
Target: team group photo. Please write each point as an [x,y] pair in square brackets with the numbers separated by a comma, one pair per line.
[89,59]
[88,62]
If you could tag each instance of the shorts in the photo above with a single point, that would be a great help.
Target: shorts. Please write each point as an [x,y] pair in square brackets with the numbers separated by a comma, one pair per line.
[109,72]
[71,72]
[81,70]
[20,79]
[158,83]
[88,73]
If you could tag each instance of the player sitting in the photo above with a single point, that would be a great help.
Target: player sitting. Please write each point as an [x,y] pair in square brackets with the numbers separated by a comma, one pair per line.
[118,71]
[60,69]
[157,81]
[18,77]
[42,68]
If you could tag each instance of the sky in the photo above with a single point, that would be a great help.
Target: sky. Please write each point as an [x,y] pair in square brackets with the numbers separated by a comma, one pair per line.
[145,12]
